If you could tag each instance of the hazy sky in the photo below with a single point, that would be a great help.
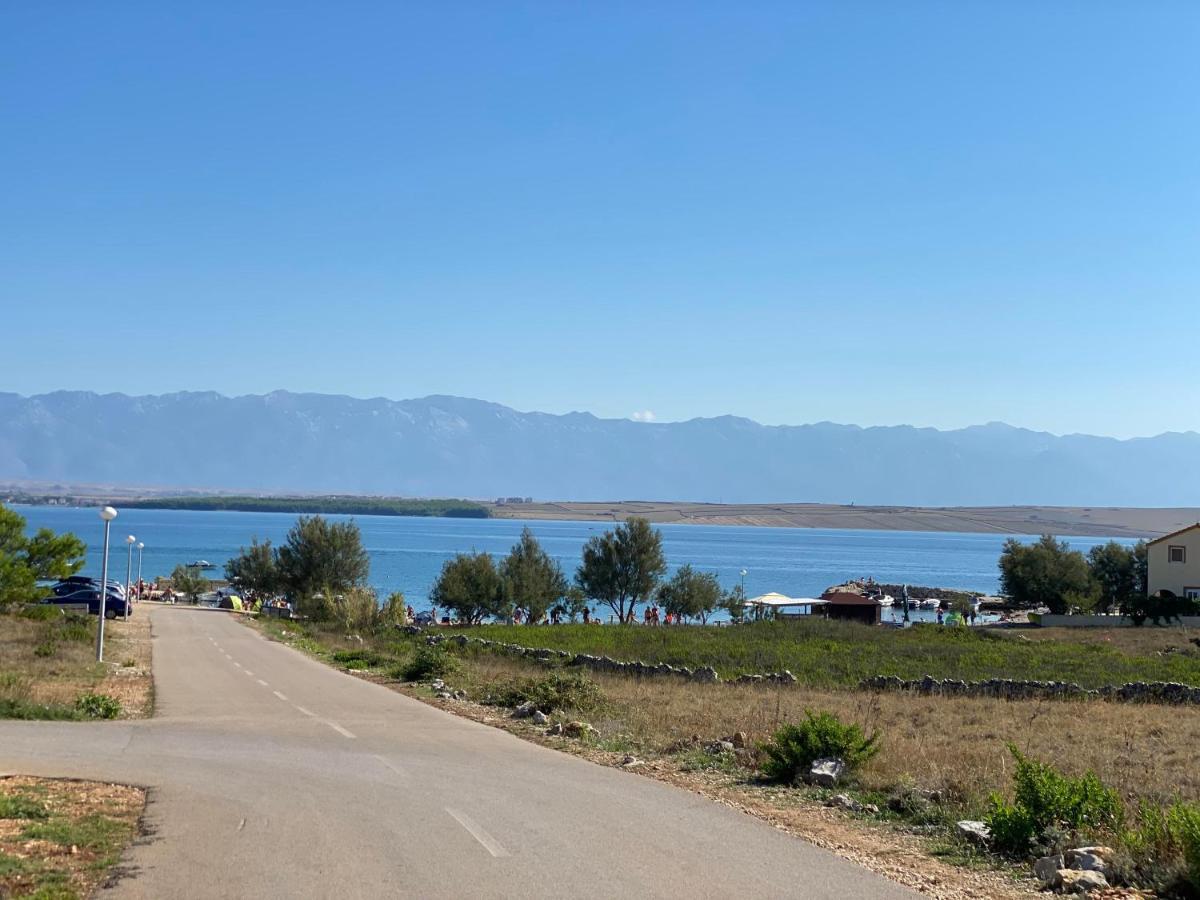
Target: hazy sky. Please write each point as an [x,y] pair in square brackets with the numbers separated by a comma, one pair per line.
[933,213]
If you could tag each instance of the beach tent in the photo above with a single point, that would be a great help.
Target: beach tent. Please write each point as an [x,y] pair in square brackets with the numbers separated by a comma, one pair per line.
[783,605]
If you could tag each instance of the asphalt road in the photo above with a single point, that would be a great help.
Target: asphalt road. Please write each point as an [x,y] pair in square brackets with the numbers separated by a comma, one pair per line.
[272,775]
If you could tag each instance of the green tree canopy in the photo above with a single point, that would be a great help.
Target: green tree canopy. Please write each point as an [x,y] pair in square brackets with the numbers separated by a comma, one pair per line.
[622,567]
[691,594]
[533,580]
[26,560]
[734,603]
[255,569]
[1114,569]
[1045,573]
[471,586]
[189,582]
[320,555]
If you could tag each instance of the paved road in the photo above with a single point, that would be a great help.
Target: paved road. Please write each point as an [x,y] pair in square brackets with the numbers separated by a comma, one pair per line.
[272,775]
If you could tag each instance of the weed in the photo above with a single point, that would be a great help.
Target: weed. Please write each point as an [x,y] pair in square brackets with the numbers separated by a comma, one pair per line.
[45,649]
[20,806]
[98,706]
[428,663]
[1045,799]
[794,748]
[557,691]
[361,659]
[42,613]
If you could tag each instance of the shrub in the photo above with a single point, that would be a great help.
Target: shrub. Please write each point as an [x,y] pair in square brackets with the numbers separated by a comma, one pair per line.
[794,747]
[98,706]
[428,663]
[1183,823]
[1044,798]
[74,628]
[360,659]
[45,649]
[42,613]
[556,691]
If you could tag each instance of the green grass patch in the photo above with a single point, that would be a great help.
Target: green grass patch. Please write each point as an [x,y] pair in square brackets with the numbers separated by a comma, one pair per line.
[21,806]
[837,654]
[13,708]
[96,833]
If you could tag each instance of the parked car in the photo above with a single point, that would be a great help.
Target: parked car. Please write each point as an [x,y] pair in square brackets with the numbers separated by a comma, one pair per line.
[84,582]
[113,605]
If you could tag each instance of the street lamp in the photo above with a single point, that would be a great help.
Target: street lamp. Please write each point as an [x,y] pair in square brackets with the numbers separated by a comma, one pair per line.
[107,514]
[141,547]
[743,573]
[131,540]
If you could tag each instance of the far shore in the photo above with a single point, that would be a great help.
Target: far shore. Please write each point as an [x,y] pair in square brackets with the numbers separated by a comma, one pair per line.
[1060,520]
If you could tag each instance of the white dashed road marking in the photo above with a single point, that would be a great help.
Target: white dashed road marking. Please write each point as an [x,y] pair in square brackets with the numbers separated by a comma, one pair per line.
[280,696]
[338,728]
[489,843]
[263,683]
[307,712]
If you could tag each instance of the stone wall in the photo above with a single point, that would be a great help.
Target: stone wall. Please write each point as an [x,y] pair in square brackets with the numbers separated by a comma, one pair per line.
[1168,692]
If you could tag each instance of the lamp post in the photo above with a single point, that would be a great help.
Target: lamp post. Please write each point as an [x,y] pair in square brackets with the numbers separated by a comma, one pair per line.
[141,546]
[131,540]
[107,514]
[743,573]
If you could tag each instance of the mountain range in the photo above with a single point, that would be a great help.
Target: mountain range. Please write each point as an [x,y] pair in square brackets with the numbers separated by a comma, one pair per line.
[453,446]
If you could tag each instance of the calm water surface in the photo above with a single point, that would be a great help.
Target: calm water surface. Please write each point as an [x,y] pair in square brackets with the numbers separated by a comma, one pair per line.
[407,552]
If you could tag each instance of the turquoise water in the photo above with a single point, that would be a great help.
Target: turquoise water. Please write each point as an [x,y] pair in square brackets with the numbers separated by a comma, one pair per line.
[407,552]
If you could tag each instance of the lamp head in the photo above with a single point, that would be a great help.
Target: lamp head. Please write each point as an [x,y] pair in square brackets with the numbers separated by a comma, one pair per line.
[131,540]
[108,514]
[140,545]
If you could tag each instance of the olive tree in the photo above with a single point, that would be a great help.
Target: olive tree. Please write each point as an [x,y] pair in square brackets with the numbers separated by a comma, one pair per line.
[690,594]
[622,567]
[471,586]
[319,555]
[24,561]
[189,581]
[255,569]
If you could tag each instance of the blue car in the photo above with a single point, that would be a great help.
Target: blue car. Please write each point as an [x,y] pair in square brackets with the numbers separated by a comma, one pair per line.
[113,605]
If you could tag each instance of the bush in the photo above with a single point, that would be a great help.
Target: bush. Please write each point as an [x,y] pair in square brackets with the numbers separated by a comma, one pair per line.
[361,659]
[42,613]
[556,691]
[793,749]
[45,649]
[428,663]
[1043,799]
[1183,823]
[98,706]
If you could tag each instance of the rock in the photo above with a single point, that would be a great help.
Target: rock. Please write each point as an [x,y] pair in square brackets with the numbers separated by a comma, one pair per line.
[739,740]
[357,638]
[524,711]
[844,801]
[1046,871]
[1076,881]
[460,695]
[539,717]
[437,684]
[706,674]
[556,728]
[1092,859]
[445,695]
[631,762]
[826,772]
[975,832]
[716,748]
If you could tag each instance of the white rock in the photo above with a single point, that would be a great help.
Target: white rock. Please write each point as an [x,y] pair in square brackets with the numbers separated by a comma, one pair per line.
[825,772]
[975,832]
[524,711]
[1046,870]
[539,717]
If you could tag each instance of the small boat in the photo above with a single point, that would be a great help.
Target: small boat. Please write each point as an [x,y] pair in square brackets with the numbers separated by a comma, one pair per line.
[201,564]
[886,600]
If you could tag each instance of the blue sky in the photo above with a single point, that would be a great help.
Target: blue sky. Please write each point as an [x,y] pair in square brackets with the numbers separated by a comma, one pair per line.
[931,213]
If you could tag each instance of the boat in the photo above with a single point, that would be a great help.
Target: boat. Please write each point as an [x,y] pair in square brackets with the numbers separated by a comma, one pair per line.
[886,600]
[201,564]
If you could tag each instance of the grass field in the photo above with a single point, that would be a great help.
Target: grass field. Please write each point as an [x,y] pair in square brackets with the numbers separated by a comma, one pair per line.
[840,654]
[46,664]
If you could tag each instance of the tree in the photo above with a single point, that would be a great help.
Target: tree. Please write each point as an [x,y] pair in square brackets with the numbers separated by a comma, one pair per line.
[1045,573]
[533,580]
[622,567]
[189,582]
[690,594]
[26,560]
[734,603]
[1113,568]
[322,556]
[255,570]
[471,587]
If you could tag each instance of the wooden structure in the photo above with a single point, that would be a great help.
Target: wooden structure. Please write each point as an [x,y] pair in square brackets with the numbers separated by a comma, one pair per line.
[852,602]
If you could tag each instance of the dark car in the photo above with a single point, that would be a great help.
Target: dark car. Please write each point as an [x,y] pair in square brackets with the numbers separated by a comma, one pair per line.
[113,605]
[84,583]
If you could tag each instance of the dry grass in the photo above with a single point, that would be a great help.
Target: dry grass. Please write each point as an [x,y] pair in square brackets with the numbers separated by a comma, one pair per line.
[1145,641]
[57,678]
[956,745]
[61,838]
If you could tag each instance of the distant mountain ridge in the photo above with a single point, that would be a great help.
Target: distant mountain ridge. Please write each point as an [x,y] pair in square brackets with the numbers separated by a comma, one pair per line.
[453,446]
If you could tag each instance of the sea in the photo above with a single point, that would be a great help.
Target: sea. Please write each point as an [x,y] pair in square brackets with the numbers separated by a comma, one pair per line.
[407,552]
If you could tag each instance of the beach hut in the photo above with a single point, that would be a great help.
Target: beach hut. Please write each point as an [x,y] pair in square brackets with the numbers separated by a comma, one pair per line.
[852,602]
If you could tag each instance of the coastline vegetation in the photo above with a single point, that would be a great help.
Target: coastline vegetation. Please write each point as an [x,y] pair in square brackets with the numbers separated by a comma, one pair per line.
[326,505]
